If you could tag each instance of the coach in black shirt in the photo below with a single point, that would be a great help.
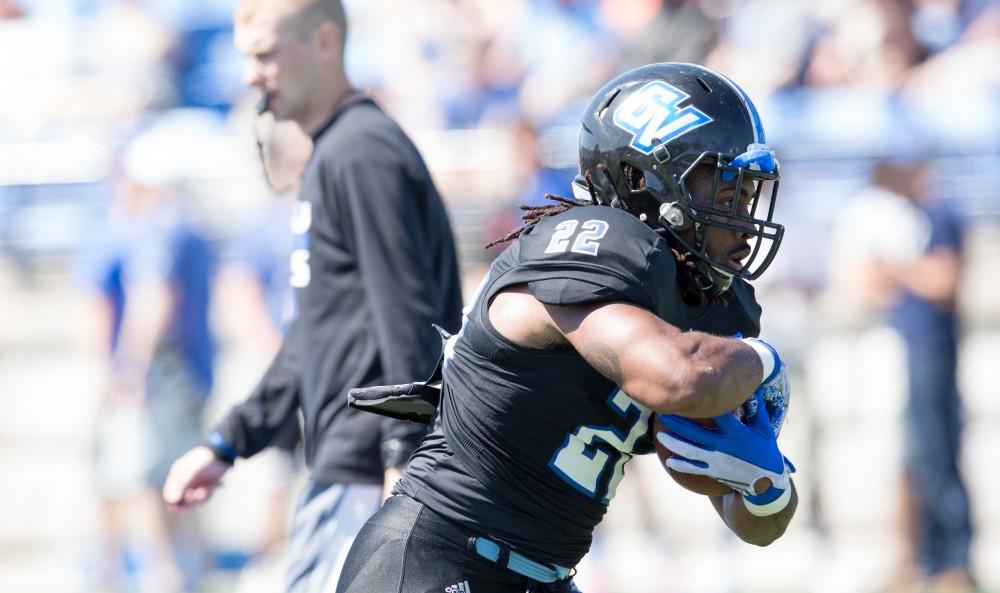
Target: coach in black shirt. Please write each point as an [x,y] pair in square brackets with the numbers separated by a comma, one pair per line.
[374,266]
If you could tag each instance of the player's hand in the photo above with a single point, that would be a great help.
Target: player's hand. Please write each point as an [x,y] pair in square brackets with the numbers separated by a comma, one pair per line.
[776,394]
[736,454]
[193,478]
[774,387]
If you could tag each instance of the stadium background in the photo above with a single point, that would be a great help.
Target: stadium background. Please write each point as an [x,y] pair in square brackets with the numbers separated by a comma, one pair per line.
[473,81]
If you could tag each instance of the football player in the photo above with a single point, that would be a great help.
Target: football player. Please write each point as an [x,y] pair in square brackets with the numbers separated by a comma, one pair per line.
[604,311]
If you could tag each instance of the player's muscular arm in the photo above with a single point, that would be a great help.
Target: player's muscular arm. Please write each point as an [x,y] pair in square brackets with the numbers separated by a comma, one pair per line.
[759,531]
[659,366]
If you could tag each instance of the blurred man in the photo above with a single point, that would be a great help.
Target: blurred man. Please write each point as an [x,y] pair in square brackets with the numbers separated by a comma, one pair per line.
[374,266]
[602,313]
[907,264]
[155,279]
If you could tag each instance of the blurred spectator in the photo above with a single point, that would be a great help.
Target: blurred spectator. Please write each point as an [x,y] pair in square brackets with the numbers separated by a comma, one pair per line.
[869,44]
[71,68]
[567,52]
[133,80]
[953,93]
[491,93]
[662,31]
[153,277]
[533,172]
[532,179]
[10,10]
[906,263]
[205,65]
[758,32]
[936,24]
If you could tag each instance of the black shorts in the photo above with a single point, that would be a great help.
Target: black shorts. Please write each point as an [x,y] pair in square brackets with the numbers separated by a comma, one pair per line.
[407,548]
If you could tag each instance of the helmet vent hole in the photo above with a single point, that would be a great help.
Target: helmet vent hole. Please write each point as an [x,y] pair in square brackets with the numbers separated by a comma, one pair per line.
[704,84]
[634,177]
[607,103]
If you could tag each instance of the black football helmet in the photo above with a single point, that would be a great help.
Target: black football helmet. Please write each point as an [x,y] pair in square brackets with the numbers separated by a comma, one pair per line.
[647,132]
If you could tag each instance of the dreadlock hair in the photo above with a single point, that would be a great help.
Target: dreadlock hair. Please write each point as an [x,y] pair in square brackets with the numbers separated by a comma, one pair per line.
[693,282]
[533,214]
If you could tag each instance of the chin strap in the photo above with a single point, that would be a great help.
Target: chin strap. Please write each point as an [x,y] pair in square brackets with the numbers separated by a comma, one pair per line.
[721,281]
[712,281]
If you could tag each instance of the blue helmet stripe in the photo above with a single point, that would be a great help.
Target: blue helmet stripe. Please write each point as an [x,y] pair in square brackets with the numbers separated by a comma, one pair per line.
[758,128]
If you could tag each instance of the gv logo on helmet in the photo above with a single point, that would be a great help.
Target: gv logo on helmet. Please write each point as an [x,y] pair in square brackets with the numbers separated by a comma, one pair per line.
[652,114]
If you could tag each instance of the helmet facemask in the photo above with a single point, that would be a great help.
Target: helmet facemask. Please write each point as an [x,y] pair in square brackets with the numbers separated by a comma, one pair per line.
[688,218]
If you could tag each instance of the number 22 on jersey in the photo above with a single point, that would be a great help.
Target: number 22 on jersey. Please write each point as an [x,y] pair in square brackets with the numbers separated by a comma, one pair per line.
[587,240]
[596,470]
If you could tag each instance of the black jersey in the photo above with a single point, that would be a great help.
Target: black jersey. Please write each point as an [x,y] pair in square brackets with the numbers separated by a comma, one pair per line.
[374,267]
[529,445]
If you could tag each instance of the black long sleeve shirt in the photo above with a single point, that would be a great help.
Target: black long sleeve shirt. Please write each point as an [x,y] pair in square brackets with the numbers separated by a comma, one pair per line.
[374,266]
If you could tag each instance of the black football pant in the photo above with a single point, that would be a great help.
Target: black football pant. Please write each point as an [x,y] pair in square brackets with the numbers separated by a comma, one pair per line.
[407,548]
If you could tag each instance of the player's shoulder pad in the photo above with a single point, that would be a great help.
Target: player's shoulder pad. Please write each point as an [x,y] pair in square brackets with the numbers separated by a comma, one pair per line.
[592,235]
[593,253]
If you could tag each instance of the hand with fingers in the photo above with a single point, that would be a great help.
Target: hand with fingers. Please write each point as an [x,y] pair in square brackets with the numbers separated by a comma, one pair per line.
[193,478]
[744,456]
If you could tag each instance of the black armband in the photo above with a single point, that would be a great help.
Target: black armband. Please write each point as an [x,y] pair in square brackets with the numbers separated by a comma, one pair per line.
[395,452]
